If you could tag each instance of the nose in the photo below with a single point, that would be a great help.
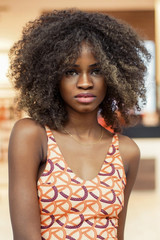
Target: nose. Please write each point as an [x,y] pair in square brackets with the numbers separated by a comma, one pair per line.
[85,81]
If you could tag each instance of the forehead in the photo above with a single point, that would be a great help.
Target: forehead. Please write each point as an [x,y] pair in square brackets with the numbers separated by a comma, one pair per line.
[86,48]
[86,51]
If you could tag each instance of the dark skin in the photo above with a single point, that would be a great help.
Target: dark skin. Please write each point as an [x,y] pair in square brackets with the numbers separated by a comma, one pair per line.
[28,148]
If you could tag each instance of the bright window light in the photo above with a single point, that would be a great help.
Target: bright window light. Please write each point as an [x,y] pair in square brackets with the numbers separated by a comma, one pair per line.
[150,81]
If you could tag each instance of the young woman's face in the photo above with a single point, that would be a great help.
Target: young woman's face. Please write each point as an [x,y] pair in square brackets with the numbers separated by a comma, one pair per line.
[83,86]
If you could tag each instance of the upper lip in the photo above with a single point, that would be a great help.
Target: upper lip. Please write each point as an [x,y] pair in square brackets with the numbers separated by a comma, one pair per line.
[85,95]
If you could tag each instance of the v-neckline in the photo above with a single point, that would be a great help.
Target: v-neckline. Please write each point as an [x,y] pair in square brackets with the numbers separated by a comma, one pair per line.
[70,169]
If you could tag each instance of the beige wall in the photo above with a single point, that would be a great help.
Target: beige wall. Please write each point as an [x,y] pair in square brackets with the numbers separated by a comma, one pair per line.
[143,21]
[106,4]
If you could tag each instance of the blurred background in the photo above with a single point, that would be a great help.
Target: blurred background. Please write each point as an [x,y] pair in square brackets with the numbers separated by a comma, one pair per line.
[144,15]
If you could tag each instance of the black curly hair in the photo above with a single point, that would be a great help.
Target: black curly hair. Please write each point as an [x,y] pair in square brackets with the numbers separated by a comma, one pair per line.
[51,43]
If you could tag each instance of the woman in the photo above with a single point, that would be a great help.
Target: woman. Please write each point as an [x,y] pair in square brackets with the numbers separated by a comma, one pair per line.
[70,178]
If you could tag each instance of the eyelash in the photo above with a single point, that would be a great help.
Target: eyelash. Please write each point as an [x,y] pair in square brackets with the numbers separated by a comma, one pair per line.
[73,72]
[96,71]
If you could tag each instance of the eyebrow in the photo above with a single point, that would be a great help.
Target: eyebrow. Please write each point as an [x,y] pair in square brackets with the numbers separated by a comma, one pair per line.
[92,65]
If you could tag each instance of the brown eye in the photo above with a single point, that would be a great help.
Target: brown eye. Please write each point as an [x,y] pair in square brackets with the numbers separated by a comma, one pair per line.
[71,72]
[96,71]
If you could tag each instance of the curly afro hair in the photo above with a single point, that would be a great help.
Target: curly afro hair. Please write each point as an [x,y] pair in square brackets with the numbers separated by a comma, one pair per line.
[51,44]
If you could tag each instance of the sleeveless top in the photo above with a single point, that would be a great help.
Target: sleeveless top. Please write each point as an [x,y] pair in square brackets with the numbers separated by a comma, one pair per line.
[76,209]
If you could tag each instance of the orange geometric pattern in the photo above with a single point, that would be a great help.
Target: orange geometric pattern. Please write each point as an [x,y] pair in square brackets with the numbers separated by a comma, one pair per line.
[76,209]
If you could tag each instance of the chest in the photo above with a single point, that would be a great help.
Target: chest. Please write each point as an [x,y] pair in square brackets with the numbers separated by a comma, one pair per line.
[70,202]
[59,184]
[84,161]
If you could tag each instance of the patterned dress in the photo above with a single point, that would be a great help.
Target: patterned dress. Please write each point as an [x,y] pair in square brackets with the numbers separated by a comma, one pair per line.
[76,209]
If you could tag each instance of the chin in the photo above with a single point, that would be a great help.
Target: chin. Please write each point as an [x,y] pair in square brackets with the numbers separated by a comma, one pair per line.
[83,109]
[88,110]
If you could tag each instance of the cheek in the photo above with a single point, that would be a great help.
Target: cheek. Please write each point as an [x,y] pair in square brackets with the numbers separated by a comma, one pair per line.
[66,85]
[103,89]
[65,91]
[63,88]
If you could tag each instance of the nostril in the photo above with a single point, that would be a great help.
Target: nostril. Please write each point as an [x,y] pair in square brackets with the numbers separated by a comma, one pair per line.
[85,87]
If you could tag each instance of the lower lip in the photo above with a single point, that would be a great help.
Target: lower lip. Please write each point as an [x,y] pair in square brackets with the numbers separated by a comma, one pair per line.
[85,99]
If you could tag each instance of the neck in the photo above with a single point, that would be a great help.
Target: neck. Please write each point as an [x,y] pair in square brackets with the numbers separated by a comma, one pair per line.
[83,124]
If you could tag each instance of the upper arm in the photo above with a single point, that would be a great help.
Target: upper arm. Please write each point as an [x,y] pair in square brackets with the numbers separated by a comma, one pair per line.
[25,154]
[131,156]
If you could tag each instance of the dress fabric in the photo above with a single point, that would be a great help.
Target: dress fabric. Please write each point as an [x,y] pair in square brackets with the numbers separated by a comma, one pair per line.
[76,209]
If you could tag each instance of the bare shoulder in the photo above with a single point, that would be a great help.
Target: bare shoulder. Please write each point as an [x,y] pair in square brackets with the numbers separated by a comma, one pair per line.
[28,127]
[128,146]
[129,150]
[27,133]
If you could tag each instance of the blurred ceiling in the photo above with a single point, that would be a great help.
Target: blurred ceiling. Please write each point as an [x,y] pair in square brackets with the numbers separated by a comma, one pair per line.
[14,14]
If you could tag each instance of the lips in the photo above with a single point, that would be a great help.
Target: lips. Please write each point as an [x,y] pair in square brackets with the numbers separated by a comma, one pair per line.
[85,97]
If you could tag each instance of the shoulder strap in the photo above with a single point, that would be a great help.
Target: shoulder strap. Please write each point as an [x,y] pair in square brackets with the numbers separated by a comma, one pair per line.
[48,131]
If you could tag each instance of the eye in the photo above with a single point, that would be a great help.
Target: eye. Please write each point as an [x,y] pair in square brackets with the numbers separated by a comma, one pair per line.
[96,71]
[71,72]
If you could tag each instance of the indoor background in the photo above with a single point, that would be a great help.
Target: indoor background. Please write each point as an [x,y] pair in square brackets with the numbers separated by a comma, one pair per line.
[144,15]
